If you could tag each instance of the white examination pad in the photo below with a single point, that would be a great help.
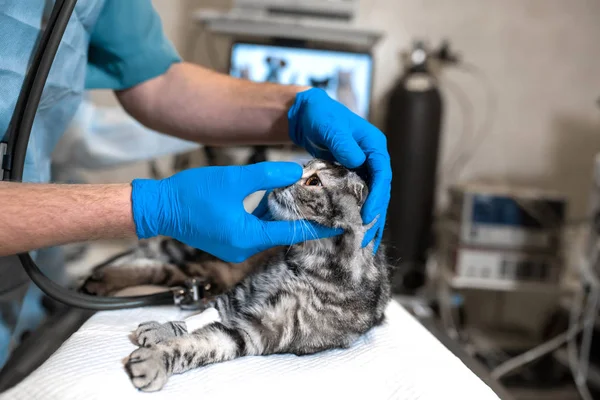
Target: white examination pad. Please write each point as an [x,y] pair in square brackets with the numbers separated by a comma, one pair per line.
[398,360]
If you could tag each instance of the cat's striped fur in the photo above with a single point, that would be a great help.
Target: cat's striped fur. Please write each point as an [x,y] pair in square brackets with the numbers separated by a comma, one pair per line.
[311,297]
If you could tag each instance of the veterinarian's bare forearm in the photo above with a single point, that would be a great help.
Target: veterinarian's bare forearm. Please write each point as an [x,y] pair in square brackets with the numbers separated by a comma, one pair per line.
[35,216]
[197,104]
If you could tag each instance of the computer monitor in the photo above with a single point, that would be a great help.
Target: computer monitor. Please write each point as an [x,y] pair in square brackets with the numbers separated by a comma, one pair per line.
[345,76]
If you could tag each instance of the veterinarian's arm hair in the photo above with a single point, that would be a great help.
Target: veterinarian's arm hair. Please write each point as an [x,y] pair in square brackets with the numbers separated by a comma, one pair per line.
[35,216]
[197,104]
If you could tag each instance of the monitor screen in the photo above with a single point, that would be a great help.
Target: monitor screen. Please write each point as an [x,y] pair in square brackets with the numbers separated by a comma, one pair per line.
[345,76]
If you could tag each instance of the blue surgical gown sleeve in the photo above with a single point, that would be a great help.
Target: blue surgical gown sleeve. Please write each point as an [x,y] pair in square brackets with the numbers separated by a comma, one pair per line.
[127,46]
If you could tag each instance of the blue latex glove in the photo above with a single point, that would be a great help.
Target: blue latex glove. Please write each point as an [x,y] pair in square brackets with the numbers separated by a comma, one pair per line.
[204,208]
[329,130]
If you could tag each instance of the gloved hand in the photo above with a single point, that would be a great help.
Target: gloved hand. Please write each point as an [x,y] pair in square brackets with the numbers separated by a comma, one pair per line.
[203,208]
[329,130]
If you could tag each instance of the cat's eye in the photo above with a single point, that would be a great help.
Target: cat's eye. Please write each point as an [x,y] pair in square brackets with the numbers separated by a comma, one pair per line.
[313,181]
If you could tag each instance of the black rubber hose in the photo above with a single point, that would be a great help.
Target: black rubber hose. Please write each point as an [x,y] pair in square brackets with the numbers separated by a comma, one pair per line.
[85,301]
[55,33]
[45,54]
[16,119]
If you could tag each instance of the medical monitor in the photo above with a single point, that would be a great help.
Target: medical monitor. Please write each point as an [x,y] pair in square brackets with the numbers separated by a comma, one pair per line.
[345,76]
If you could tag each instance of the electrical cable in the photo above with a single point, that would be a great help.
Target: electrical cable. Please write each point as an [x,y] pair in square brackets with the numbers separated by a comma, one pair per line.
[578,369]
[553,344]
[464,158]
[534,353]
[460,154]
[445,301]
[17,137]
[467,131]
[572,351]
[586,340]
[579,361]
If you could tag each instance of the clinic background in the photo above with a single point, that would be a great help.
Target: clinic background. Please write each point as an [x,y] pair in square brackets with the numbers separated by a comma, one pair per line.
[535,58]
[540,54]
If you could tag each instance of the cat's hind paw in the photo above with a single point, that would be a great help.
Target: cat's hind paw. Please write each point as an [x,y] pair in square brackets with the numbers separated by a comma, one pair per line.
[147,369]
[150,333]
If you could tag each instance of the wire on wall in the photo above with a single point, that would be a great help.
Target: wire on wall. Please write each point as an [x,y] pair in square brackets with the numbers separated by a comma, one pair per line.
[535,353]
[579,360]
[572,351]
[466,130]
[458,162]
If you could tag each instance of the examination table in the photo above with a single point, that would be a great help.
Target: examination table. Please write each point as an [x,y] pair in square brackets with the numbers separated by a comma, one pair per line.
[398,360]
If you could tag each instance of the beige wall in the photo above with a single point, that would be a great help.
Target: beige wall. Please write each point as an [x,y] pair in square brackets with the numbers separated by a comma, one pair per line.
[541,56]
[543,59]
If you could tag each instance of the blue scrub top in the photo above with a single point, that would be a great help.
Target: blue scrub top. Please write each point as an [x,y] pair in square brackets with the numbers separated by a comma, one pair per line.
[108,44]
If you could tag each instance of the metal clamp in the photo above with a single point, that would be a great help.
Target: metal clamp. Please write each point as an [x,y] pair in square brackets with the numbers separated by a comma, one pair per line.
[192,296]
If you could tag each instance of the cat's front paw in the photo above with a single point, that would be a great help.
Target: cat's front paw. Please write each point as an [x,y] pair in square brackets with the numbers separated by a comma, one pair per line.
[147,370]
[150,333]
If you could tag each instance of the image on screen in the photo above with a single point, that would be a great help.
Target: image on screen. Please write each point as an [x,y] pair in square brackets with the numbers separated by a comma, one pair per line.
[345,76]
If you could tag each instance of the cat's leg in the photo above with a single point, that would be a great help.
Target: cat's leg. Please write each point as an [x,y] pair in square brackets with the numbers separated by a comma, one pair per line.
[150,367]
[112,278]
[150,333]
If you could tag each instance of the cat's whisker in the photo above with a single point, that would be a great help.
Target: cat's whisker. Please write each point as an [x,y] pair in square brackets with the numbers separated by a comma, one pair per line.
[300,218]
[294,232]
[317,245]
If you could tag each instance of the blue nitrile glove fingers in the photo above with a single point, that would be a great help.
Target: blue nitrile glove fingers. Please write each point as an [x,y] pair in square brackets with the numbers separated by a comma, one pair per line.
[329,130]
[262,209]
[203,208]
[377,202]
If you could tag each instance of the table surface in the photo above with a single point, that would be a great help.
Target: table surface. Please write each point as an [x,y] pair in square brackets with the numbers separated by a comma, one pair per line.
[398,360]
[475,366]
[434,327]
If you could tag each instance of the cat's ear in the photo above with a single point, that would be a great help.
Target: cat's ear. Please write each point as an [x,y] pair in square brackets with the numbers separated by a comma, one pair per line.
[359,191]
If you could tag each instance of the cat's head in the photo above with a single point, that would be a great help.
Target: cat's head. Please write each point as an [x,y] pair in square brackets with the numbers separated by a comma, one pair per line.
[328,194]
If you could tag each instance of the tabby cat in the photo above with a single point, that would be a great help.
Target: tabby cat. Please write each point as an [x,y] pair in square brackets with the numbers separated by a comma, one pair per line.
[304,299]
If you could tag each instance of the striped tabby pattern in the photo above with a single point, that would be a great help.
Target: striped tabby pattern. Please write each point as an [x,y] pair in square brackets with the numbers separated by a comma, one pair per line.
[310,297]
